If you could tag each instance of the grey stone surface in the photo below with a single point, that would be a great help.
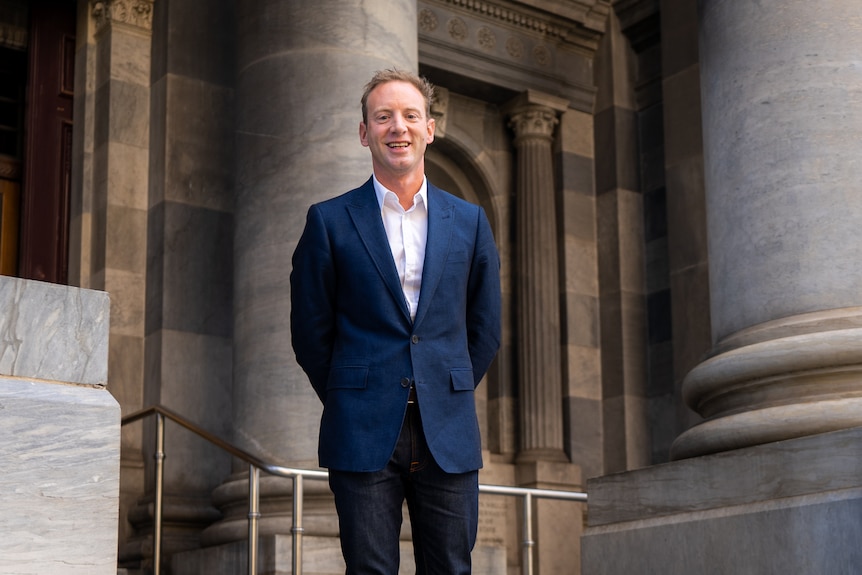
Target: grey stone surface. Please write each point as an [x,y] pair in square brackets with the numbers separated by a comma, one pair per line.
[787,507]
[60,481]
[53,332]
[782,103]
[61,449]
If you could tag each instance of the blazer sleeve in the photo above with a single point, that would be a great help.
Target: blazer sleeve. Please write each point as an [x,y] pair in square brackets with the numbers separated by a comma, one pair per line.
[483,300]
[312,301]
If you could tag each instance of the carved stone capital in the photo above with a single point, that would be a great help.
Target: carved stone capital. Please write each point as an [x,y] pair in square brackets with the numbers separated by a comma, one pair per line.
[533,122]
[534,114]
[135,13]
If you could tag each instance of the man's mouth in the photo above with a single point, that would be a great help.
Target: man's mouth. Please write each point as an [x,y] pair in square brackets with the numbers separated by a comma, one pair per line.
[398,145]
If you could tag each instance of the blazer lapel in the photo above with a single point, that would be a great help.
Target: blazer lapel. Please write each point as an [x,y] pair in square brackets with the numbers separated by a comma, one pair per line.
[365,213]
[440,222]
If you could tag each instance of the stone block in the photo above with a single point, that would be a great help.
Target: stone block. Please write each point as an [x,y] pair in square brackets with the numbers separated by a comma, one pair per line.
[785,507]
[60,458]
[52,332]
[59,490]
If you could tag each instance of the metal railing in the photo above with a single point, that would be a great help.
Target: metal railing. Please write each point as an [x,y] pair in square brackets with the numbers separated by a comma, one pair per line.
[298,476]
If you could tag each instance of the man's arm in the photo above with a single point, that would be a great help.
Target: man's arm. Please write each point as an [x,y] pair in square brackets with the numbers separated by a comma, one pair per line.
[483,300]
[312,302]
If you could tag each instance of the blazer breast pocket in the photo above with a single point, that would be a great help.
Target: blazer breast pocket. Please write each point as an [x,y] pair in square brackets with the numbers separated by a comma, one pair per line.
[462,379]
[348,377]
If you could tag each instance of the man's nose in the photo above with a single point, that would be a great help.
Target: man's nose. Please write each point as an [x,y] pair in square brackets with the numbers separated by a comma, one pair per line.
[398,123]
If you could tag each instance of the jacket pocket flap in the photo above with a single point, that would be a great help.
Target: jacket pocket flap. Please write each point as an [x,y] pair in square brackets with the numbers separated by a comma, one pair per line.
[462,379]
[348,377]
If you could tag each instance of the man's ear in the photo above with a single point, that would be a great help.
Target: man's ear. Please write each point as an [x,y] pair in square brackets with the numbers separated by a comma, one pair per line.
[363,134]
[432,125]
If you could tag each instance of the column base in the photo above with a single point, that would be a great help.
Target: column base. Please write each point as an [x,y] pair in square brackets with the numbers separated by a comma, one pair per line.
[557,525]
[789,378]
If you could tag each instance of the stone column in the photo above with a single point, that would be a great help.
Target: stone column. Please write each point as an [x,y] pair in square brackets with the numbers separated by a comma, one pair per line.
[109,231]
[302,66]
[533,117]
[782,109]
[542,461]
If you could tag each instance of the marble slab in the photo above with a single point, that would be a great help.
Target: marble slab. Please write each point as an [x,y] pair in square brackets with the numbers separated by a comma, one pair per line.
[53,332]
[59,478]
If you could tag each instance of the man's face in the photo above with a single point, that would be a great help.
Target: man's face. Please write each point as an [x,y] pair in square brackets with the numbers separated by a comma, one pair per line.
[397,130]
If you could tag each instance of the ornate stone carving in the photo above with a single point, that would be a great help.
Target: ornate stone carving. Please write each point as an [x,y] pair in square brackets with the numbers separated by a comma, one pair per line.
[135,13]
[457,29]
[439,107]
[542,55]
[427,20]
[515,48]
[486,38]
[534,122]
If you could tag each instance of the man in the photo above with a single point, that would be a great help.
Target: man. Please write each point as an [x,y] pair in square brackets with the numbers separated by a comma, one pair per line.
[395,298]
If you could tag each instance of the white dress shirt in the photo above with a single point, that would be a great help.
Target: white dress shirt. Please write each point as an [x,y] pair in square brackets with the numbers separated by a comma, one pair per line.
[407,231]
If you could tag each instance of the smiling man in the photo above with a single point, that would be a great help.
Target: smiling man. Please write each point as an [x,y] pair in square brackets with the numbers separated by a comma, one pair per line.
[395,318]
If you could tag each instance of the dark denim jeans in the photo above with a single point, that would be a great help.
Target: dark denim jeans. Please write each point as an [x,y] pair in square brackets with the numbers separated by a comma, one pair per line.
[443,509]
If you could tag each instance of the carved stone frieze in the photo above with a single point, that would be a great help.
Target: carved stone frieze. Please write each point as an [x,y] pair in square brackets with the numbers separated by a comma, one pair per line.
[135,13]
[519,45]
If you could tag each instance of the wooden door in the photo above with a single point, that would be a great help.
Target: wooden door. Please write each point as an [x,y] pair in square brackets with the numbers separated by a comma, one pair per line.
[46,183]
[13,74]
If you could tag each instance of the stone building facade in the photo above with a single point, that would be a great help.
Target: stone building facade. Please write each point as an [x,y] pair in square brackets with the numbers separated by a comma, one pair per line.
[671,187]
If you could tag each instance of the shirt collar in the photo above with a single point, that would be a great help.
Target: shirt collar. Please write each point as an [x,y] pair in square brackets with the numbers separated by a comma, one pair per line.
[382,191]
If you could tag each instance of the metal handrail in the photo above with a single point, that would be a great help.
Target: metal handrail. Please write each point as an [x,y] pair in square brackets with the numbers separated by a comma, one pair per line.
[297,475]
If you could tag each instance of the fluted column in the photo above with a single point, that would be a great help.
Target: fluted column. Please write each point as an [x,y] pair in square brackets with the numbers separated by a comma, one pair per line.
[533,118]
[782,109]
[302,66]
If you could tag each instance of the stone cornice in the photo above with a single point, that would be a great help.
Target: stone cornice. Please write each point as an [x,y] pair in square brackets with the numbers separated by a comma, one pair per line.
[137,14]
[581,22]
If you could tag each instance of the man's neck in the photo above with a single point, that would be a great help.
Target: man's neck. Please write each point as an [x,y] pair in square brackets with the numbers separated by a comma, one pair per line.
[405,187]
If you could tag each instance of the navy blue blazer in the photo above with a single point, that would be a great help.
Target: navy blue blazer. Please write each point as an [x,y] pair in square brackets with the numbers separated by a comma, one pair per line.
[353,336]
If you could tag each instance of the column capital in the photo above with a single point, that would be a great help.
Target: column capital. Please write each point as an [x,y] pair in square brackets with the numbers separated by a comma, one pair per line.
[534,114]
[135,13]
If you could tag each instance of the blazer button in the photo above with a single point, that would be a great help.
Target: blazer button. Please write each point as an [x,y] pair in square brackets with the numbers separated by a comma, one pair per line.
[405,382]
[415,338]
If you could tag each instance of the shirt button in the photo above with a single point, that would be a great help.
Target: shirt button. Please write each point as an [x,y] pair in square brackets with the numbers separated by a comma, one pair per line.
[405,382]
[415,339]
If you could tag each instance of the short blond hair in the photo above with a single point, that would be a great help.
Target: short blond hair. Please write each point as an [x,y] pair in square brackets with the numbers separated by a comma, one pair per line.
[394,75]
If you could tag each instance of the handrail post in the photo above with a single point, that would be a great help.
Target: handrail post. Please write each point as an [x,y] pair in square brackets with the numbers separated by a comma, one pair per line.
[253,516]
[159,456]
[297,524]
[527,559]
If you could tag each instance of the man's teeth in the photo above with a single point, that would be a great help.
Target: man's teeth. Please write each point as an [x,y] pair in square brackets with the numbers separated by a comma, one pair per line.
[399,145]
